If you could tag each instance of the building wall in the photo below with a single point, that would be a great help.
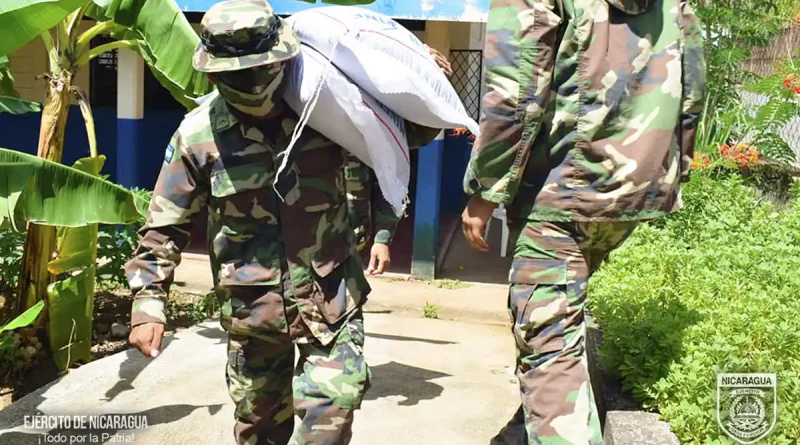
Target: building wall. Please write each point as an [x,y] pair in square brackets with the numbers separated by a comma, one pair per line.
[31,60]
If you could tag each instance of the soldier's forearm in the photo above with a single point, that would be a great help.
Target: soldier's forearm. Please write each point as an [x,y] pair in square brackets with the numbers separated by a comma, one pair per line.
[150,272]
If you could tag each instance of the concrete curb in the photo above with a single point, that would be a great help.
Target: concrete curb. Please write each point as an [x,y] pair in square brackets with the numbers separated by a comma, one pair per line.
[624,423]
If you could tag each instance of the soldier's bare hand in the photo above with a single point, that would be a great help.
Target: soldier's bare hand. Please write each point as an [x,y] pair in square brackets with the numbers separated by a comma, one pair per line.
[147,338]
[442,61]
[379,259]
[474,220]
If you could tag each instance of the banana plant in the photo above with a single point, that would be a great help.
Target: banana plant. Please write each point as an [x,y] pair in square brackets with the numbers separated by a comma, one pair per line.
[60,245]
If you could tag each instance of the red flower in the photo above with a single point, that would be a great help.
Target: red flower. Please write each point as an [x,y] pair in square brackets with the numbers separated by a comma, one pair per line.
[792,82]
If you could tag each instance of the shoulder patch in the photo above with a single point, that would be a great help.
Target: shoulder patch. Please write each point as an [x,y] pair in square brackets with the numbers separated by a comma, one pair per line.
[169,154]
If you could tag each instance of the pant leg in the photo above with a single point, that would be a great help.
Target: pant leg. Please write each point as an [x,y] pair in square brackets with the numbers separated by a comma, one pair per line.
[259,376]
[330,382]
[547,296]
[552,266]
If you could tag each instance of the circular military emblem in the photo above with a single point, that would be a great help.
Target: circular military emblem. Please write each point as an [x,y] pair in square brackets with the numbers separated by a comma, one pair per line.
[746,405]
[748,417]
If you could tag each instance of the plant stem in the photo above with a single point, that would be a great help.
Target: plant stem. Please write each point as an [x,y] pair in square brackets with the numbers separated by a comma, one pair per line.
[86,38]
[75,21]
[104,48]
[40,241]
[52,52]
[88,119]
[63,37]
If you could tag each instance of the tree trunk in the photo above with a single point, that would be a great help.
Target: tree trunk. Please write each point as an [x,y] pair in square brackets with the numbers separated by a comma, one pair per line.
[40,242]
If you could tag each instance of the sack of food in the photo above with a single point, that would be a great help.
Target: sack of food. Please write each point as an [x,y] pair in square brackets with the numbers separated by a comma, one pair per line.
[331,104]
[387,61]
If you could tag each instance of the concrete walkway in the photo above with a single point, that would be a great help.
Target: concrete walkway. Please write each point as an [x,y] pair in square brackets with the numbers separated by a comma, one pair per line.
[435,382]
[476,302]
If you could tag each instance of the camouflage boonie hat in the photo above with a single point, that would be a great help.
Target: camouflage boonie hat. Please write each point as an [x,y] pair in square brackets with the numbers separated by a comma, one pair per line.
[240,34]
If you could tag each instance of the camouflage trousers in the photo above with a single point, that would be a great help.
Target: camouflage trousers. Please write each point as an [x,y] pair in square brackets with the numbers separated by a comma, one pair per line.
[552,265]
[324,386]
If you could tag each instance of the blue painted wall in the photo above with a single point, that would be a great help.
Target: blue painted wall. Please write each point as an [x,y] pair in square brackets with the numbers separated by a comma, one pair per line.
[456,157]
[452,10]
[22,133]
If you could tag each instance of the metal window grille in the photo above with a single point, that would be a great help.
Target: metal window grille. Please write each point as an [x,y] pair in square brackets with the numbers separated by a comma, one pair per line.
[468,79]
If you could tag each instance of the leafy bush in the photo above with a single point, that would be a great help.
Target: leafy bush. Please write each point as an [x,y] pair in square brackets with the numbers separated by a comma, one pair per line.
[10,260]
[714,288]
[115,246]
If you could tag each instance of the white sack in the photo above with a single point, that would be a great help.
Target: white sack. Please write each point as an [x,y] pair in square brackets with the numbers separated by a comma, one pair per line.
[387,61]
[352,119]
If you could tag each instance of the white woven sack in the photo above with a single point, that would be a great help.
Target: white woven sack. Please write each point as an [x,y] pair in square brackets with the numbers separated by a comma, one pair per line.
[387,61]
[332,105]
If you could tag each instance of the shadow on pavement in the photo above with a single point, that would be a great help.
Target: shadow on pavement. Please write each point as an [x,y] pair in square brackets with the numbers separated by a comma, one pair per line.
[155,416]
[215,333]
[397,379]
[401,338]
[133,365]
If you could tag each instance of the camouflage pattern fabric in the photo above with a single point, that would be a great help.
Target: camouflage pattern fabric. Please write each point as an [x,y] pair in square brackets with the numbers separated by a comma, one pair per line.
[552,265]
[240,34]
[329,383]
[218,162]
[591,110]
[367,208]
[254,91]
[285,272]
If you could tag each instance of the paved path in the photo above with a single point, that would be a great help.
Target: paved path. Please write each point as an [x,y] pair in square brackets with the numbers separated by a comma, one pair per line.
[435,382]
[484,303]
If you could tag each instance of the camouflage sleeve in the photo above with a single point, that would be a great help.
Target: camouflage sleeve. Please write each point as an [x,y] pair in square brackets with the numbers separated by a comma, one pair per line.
[365,200]
[386,220]
[179,194]
[694,85]
[521,42]
[419,136]
[356,175]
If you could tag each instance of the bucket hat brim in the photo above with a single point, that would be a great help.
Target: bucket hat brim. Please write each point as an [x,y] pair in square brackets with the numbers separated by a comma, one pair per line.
[287,47]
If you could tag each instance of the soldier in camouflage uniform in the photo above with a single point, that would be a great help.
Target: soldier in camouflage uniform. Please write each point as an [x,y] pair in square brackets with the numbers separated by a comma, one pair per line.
[588,129]
[286,270]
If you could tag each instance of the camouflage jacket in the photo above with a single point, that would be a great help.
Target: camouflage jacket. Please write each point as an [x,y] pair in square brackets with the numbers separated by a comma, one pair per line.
[216,162]
[591,110]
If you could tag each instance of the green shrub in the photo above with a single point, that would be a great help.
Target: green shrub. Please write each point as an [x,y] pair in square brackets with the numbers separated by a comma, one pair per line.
[115,246]
[714,288]
[10,260]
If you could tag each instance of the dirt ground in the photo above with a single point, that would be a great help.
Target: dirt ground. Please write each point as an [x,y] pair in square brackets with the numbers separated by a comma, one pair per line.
[111,307]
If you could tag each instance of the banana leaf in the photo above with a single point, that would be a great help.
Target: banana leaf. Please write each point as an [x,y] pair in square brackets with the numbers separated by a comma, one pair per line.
[14,105]
[24,20]
[69,325]
[26,319]
[48,193]
[6,79]
[165,40]
[71,299]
